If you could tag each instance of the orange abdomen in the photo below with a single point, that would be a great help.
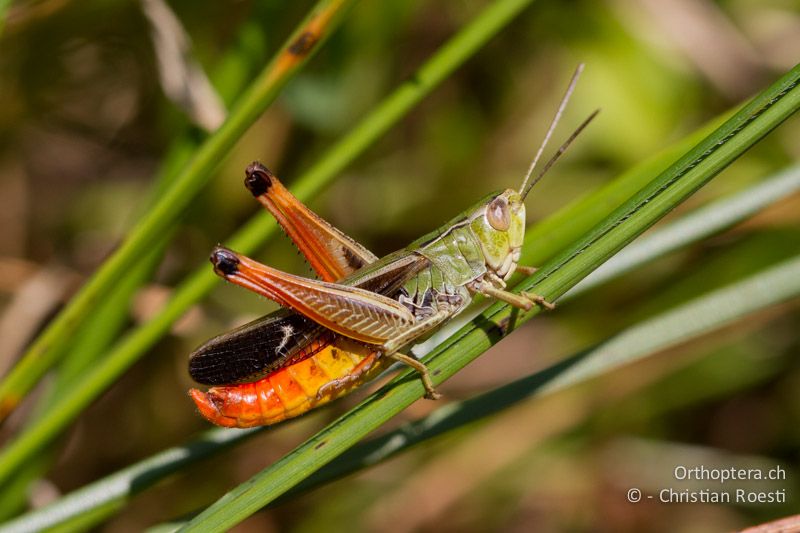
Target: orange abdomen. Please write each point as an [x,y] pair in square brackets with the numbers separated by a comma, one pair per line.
[336,370]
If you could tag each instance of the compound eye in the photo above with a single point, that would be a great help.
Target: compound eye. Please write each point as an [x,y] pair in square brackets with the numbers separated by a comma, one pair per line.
[498,215]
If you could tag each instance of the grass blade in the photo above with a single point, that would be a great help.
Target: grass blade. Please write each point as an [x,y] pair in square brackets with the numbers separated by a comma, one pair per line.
[692,319]
[700,224]
[571,222]
[90,505]
[696,226]
[666,191]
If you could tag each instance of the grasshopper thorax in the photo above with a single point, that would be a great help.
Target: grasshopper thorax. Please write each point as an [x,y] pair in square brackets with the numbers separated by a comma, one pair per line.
[499,225]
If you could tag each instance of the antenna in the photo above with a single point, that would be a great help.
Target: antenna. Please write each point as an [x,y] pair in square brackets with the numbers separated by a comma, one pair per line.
[561,150]
[526,187]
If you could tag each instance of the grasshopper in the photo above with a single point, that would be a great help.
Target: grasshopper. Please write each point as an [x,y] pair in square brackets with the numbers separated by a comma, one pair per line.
[340,331]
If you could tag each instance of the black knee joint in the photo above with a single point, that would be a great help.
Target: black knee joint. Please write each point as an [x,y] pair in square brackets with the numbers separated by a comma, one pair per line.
[225,262]
[258,178]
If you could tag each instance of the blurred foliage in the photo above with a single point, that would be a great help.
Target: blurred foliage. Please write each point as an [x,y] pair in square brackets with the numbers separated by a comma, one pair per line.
[84,126]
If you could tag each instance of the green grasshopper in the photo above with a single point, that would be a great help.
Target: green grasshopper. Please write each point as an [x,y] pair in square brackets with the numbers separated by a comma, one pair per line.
[364,309]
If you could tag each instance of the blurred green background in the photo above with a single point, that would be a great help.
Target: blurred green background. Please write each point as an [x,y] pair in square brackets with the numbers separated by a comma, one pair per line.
[85,122]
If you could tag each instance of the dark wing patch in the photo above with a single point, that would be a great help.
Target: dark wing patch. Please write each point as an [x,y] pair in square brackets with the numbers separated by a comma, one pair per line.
[254,349]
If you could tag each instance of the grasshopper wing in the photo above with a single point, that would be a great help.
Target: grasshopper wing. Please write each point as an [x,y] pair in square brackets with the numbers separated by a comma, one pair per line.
[249,352]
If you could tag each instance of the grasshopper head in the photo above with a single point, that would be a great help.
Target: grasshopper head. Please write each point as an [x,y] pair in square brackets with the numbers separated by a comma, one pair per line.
[499,224]
[499,221]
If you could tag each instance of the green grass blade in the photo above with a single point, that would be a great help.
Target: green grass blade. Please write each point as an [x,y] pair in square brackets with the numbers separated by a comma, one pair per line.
[718,309]
[132,346]
[103,327]
[573,220]
[666,191]
[16,490]
[47,348]
[764,113]
[698,317]
[111,492]
[90,505]
[698,225]
[90,341]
